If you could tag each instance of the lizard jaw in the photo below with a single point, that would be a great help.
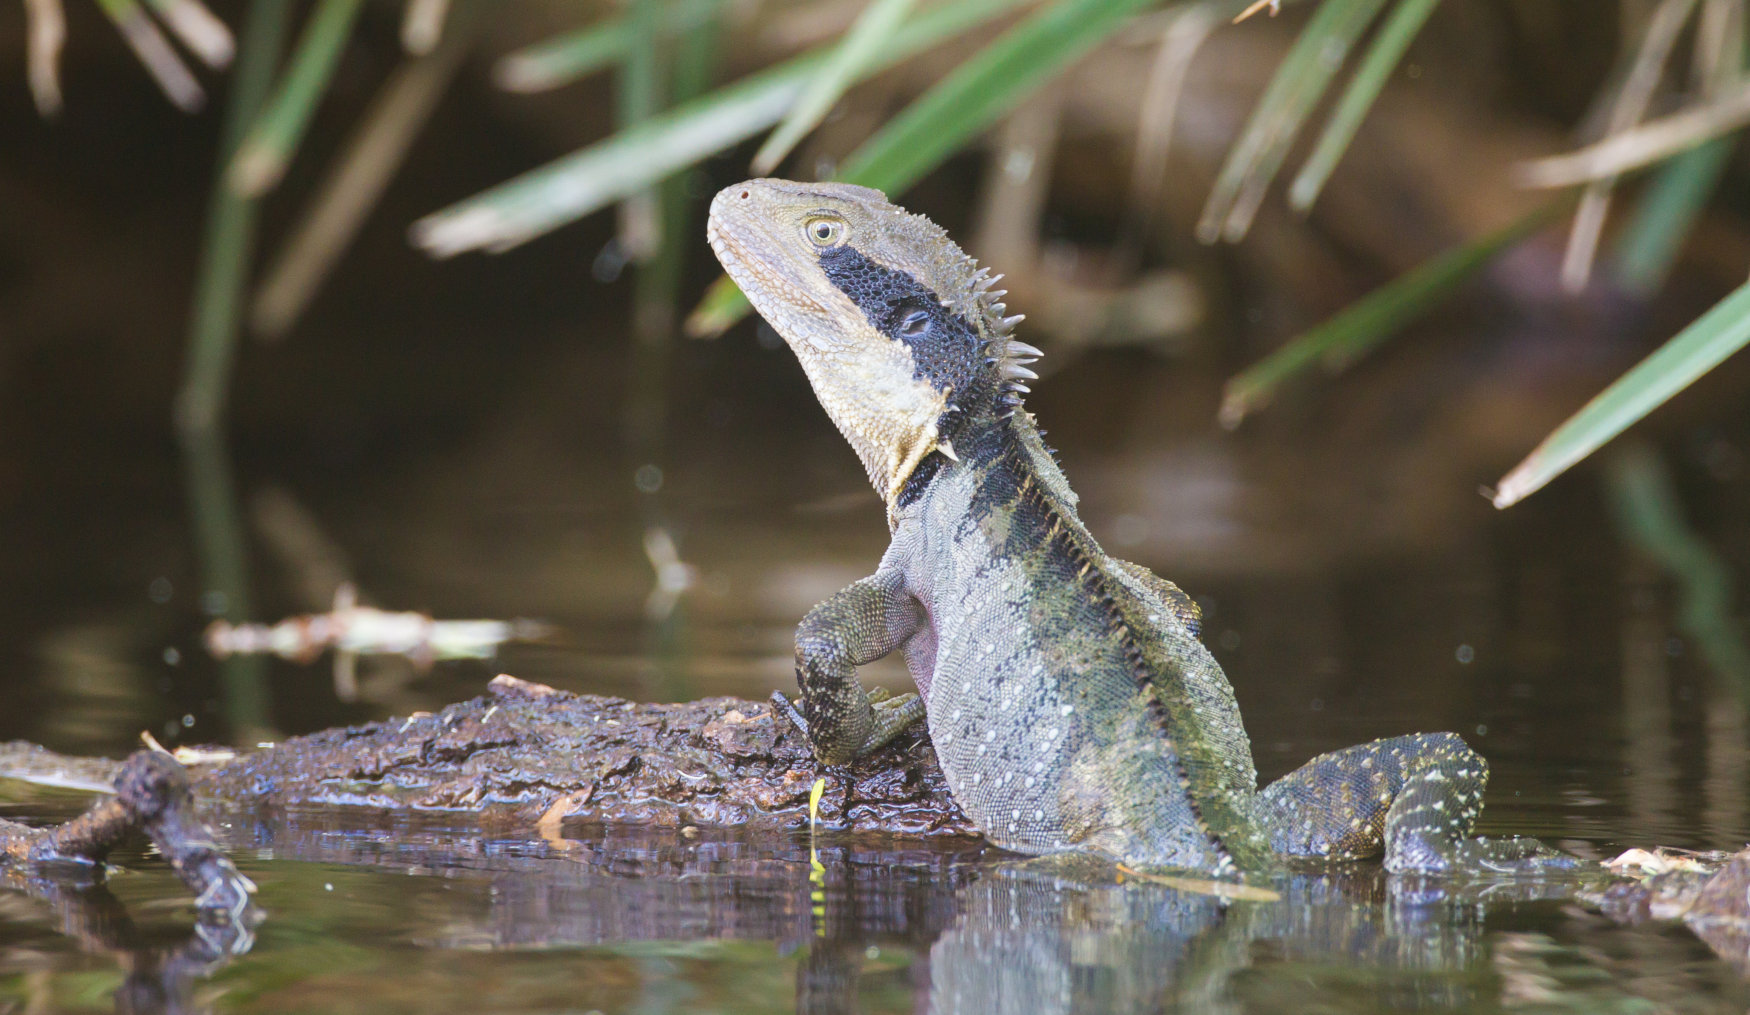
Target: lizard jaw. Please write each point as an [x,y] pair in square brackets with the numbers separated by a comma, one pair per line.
[752,274]
[870,385]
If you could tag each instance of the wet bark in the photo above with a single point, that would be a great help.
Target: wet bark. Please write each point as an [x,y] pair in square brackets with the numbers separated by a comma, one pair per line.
[526,755]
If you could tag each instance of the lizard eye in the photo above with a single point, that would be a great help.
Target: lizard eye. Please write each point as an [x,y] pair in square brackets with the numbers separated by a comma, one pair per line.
[824,232]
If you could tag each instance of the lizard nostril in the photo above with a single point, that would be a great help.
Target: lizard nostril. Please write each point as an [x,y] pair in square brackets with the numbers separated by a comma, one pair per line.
[745,195]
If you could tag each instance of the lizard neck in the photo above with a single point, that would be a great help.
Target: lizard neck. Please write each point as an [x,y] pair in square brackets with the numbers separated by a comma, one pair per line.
[999,434]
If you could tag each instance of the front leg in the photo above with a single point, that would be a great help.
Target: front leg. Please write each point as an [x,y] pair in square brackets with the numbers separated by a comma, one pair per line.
[1414,798]
[863,622]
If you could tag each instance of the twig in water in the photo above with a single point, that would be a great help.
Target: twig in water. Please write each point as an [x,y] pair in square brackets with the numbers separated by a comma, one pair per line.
[353,630]
[151,795]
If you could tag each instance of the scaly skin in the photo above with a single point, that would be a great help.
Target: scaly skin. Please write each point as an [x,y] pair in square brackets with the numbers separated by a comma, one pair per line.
[1068,696]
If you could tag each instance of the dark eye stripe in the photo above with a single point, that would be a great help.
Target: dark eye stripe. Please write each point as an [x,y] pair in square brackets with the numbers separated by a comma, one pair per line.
[944,345]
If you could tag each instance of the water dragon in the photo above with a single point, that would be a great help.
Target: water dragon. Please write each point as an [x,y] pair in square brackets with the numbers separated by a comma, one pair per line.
[1068,696]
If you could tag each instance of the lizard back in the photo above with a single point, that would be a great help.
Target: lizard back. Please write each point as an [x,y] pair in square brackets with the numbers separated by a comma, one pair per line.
[1069,707]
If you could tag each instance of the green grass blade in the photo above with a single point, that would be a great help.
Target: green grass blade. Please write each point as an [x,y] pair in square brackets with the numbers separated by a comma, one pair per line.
[571,187]
[1695,350]
[719,309]
[983,88]
[1679,191]
[275,136]
[941,120]
[1364,324]
[565,58]
[658,281]
[867,35]
[655,300]
[226,251]
[1388,47]
[228,242]
[561,60]
[638,96]
[1295,89]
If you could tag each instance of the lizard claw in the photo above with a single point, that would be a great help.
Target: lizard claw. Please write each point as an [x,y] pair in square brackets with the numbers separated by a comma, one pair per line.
[781,705]
[882,700]
[892,713]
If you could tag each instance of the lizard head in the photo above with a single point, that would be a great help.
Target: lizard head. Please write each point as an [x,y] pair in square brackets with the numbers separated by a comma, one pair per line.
[899,332]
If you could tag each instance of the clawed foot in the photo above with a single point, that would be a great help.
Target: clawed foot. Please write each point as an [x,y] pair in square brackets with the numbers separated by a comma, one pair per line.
[1516,855]
[891,715]
[781,705]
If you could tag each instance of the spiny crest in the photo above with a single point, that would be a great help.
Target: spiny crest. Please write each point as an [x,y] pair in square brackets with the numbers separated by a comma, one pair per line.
[971,292]
[978,300]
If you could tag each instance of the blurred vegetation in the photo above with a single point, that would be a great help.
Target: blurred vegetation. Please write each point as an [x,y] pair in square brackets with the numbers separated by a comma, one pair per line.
[1668,110]
[672,114]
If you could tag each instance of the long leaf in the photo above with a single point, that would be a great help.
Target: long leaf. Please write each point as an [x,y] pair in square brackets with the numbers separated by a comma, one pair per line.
[571,187]
[989,84]
[1295,89]
[638,94]
[227,249]
[1362,325]
[565,58]
[1388,47]
[1650,244]
[971,98]
[262,160]
[719,309]
[1695,350]
[871,31]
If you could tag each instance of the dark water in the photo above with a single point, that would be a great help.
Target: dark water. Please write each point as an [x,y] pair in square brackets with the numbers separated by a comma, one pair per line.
[1556,650]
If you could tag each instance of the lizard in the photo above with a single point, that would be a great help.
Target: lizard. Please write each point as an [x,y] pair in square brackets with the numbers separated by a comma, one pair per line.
[1069,698]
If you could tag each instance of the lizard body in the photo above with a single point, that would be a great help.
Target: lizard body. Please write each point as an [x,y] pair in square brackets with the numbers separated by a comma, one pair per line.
[1067,694]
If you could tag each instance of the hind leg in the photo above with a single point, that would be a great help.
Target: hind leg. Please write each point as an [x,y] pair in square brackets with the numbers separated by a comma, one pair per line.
[1415,799]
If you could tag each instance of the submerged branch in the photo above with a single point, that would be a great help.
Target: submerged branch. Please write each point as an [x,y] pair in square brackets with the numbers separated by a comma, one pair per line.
[152,796]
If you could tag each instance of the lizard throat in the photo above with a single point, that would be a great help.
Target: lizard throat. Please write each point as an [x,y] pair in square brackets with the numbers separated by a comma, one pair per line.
[948,351]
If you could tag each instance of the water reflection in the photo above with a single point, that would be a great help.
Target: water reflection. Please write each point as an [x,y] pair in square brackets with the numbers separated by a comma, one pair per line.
[160,973]
[623,919]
